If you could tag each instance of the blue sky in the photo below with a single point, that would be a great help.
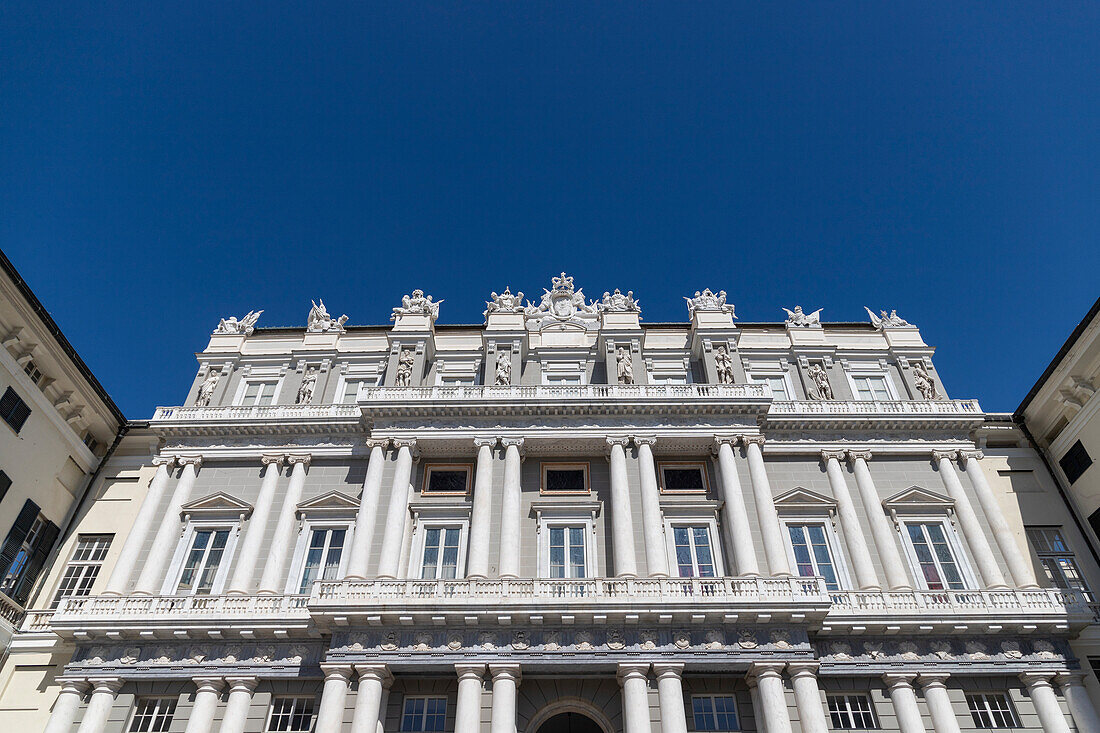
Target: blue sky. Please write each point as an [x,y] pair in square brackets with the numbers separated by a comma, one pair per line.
[166,164]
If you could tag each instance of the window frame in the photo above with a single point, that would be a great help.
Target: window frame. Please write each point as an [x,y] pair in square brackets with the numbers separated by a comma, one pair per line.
[563,514]
[954,541]
[972,697]
[361,380]
[242,390]
[859,373]
[18,401]
[701,465]
[784,376]
[271,711]
[33,372]
[183,548]
[406,699]
[711,525]
[565,466]
[85,567]
[1051,554]
[420,541]
[832,543]
[847,697]
[426,481]
[301,549]
[712,697]
[157,699]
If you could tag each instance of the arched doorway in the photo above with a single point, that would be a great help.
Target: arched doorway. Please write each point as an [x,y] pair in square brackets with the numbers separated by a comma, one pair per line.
[570,723]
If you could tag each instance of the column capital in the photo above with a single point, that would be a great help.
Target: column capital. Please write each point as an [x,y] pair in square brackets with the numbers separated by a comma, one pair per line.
[966,455]
[299,458]
[640,440]
[337,671]
[165,461]
[803,669]
[195,461]
[664,670]
[276,459]
[758,670]
[78,685]
[757,440]
[943,455]
[512,442]
[855,455]
[484,442]
[470,671]
[1071,677]
[621,442]
[899,679]
[832,455]
[1033,679]
[933,679]
[106,684]
[505,671]
[720,440]
[632,670]
[409,444]
[208,684]
[373,443]
[242,684]
[379,672]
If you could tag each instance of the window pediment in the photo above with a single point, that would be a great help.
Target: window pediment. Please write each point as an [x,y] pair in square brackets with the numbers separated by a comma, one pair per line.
[332,503]
[800,500]
[216,506]
[566,509]
[916,500]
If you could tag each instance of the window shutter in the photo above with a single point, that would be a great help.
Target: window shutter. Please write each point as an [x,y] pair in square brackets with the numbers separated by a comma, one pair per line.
[5,484]
[36,562]
[23,524]
[13,409]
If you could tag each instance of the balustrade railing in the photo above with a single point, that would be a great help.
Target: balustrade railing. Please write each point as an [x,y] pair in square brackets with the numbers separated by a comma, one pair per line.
[565,392]
[154,607]
[1043,600]
[257,412]
[897,408]
[10,611]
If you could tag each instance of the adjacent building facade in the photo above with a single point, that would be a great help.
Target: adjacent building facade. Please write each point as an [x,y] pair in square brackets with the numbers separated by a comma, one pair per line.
[562,520]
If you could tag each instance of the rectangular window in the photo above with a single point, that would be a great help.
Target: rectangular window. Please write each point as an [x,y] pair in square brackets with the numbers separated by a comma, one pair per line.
[440,552]
[565,478]
[810,545]
[668,378]
[694,556]
[991,710]
[937,560]
[326,547]
[258,393]
[683,478]
[424,715]
[351,391]
[465,380]
[90,442]
[852,712]
[83,568]
[14,410]
[32,371]
[203,560]
[563,379]
[871,387]
[1057,559]
[567,552]
[777,383]
[24,551]
[153,714]
[714,713]
[1074,463]
[446,479]
[291,714]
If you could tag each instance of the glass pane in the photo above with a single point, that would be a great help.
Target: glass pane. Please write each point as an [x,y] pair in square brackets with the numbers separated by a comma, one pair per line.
[683,479]
[561,479]
[447,481]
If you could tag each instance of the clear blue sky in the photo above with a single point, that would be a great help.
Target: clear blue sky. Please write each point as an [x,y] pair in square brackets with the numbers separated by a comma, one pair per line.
[166,164]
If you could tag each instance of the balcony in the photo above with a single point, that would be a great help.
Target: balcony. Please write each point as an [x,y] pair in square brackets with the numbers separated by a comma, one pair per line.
[885,414]
[256,418]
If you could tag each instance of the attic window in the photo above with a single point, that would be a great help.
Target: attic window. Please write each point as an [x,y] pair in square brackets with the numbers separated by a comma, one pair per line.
[1075,462]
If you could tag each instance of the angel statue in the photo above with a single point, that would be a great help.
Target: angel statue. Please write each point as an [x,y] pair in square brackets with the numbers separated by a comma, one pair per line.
[886,320]
[206,391]
[245,325]
[320,320]
[623,366]
[799,318]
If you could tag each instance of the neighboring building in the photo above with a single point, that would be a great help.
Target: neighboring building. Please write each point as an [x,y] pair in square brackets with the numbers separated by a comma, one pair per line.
[56,424]
[565,521]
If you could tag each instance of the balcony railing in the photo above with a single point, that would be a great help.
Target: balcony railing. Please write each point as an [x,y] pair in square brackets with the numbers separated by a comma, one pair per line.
[1053,601]
[10,611]
[151,608]
[890,408]
[245,413]
[565,392]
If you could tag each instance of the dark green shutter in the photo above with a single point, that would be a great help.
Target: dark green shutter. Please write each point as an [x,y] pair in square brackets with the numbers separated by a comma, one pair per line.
[18,533]
[13,409]
[33,568]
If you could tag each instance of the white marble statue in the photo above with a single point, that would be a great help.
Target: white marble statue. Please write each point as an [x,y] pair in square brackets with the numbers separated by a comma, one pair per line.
[798,317]
[309,383]
[245,325]
[206,391]
[723,364]
[820,378]
[885,320]
[504,302]
[320,321]
[417,304]
[618,303]
[562,301]
[709,301]
[404,368]
[503,376]
[624,366]
[925,384]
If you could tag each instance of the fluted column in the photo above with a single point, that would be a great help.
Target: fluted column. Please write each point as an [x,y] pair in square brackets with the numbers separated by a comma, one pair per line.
[238,704]
[1045,701]
[768,679]
[99,704]
[938,700]
[330,714]
[66,705]
[735,517]
[274,575]
[164,541]
[774,548]
[670,695]
[866,577]
[367,516]
[477,564]
[1078,701]
[622,524]
[653,529]
[132,548]
[468,707]
[505,680]
[1023,575]
[511,514]
[882,529]
[207,693]
[245,570]
[972,529]
[807,695]
[397,512]
[904,699]
[633,678]
[374,679]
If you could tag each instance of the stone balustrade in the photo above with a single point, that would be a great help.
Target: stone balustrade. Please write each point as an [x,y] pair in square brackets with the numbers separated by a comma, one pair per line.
[248,413]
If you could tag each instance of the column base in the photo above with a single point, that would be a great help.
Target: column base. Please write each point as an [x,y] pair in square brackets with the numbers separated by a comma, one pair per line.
[355,577]
[901,589]
[626,575]
[871,588]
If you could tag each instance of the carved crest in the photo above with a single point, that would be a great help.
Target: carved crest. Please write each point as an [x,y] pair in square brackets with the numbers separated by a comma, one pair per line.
[562,302]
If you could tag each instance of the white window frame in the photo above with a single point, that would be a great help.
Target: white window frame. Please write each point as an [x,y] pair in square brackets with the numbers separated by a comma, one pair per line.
[407,698]
[183,547]
[159,700]
[701,465]
[566,370]
[271,710]
[847,697]
[712,697]
[428,515]
[301,547]
[760,374]
[362,379]
[836,552]
[970,581]
[242,388]
[421,540]
[84,567]
[984,698]
[715,542]
[661,376]
[444,467]
[562,514]
[853,373]
[1032,531]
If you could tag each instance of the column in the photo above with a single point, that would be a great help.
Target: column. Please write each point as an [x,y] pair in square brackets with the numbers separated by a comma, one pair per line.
[653,526]
[622,525]
[882,529]
[207,694]
[274,575]
[939,702]
[123,571]
[374,679]
[1045,701]
[1018,566]
[330,714]
[633,678]
[768,678]
[774,549]
[1077,699]
[904,699]
[367,516]
[670,694]
[68,702]
[245,570]
[238,704]
[477,564]
[511,519]
[735,517]
[99,705]
[988,569]
[397,513]
[866,577]
[468,707]
[164,541]
[807,695]
[505,680]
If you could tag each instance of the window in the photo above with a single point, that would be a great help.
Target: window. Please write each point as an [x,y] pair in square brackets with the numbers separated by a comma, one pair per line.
[565,379]
[683,478]
[1057,559]
[446,479]
[441,552]
[291,714]
[777,383]
[871,387]
[83,568]
[24,552]
[464,380]
[32,371]
[991,710]
[153,714]
[565,478]
[714,713]
[326,547]
[1074,463]
[14,410]
[668,378]
[852,712]
[933,552]
[424,715]
[810,546]
[567,552]
[90,442]
[694,556]
[203,560]
[258,393]
[5,484]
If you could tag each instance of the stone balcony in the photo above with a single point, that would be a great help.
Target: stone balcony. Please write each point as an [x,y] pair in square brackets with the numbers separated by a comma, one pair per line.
[256,418]
[884,414]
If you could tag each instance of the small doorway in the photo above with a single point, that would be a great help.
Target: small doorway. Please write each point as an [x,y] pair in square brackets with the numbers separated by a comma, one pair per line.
[570,723]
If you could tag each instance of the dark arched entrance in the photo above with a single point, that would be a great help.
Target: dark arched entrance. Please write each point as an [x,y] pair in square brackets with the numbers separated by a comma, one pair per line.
[570,723]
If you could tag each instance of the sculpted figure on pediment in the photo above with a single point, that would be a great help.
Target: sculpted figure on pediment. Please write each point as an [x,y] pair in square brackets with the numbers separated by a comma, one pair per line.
[245,325]
[561,302]
[320,321]
[618,303]
[504,302]
[206,391]
[798,317]
[417,304]
[707,300]
[886,320]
